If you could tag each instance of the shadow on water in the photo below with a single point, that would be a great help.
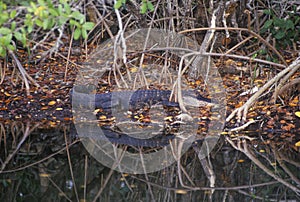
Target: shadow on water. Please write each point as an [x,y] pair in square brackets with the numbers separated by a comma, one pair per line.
[47,162]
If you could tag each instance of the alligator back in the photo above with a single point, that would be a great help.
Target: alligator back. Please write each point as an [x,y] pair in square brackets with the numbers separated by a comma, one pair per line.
[132,99]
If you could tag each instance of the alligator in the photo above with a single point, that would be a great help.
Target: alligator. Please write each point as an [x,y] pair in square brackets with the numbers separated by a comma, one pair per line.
[136,99]
[109,135]
[131,100]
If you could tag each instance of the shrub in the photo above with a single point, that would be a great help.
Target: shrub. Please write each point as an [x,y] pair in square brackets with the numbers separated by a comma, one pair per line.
[42,15]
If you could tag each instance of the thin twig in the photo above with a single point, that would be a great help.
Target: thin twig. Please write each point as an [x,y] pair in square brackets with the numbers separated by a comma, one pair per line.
[25,135]
[241,29]
[243,147]
[243,126]
[25,75]
[70,165]
[254,97]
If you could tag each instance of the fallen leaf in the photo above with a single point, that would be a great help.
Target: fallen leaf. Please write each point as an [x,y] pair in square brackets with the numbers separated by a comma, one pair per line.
[44,175]
[181,191]
[51,103]
[102,117]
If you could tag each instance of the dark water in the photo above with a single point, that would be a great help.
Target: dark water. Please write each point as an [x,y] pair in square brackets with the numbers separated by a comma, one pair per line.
[48,162]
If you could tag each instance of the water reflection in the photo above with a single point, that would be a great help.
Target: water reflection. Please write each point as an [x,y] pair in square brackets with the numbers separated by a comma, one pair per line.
[47,162]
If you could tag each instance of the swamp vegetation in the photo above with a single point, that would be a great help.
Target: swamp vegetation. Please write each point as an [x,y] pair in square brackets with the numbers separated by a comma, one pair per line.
[194,100]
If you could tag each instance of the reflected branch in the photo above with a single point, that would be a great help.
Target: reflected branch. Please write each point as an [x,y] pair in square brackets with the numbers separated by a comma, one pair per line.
[243,147]
[25,135]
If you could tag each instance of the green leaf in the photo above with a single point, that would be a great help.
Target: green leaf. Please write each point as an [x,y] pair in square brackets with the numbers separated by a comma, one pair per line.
[143,8]
[41,2]
[45,23]
[297,19]
[268,12]
[280,34]
[49,4]
[51,23]
[268,24]
[11,47]
[29,28]
[84,33]
[4,31]
[59,9]
[18,35]
[2,6]
[39,23]
[2,51]
[30,10]
[13,14]
[88,25]
[77,33]
[74,23]
[62,20]
[289,25]
[7,39]
[13,25]
[67,8]
[23,38]
[33,6]
[77,15]
[278,22]
[150,6]
[28,16]
[3,18]
[82,20]
[118,4]
[53,12]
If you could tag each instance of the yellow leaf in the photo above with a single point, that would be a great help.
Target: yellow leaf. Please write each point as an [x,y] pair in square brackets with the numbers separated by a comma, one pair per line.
[51,103]
[52,123]
[297,114]
[96,111]
[99,61]
[292,104]
[297,144]
[133,69]
[239,64]
[181,191]
[44,175]
[102,117]
[168,118]
[39,10]
[59,109]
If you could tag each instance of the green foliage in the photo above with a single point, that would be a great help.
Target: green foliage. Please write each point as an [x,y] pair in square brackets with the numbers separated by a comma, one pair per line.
[42,14]
[145,6]
[284,30]
[119,3]
[47,16]
[16,2]
[6,33]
